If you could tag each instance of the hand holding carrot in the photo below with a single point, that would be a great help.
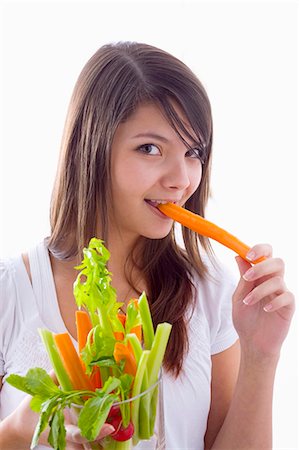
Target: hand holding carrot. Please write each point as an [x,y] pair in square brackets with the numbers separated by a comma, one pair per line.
[262,305]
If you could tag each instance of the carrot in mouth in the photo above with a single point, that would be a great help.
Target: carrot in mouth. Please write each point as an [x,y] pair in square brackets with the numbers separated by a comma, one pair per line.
[206,228]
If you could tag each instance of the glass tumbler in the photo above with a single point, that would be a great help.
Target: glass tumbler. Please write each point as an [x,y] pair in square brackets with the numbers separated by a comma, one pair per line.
[145,412]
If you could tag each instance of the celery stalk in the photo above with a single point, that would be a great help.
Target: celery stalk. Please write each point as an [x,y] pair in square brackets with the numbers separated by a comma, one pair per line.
[105,374]
[147,324]
[157,352]
[148,406]
[104,321]
[136,346]
[144,409]
[153,409]
[60,372]
[111,444]
[136,391]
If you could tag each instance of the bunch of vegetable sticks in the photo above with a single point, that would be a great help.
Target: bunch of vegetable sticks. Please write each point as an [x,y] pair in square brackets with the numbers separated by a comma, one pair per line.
[119,358]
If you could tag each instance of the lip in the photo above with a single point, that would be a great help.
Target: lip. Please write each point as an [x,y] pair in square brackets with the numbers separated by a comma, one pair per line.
[156,211]
[148,200]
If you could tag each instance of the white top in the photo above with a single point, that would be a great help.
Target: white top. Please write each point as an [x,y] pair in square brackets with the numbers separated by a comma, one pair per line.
[25,307]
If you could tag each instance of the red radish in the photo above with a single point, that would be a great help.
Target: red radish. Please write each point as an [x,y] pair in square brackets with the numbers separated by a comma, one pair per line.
[121,433]
[114,412]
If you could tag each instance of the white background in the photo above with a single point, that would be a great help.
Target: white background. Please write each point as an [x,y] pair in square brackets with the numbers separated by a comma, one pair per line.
[244,52]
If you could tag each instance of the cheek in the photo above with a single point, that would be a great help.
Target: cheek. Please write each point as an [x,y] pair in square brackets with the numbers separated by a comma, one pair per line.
[126,183]
[134,177]
[195,178]
[121,176]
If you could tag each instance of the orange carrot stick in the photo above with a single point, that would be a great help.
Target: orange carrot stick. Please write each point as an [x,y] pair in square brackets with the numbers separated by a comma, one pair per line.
[121,351]
[138,331]
[122,318]
[206,228]
[95,378]
[83,325]
[71,362]
[119,335]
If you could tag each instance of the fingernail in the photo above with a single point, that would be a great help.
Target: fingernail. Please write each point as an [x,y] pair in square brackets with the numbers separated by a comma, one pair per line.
[110,429]
[106,430]
[248,299]
[251,255]
[78,438]
[249,275]
[268,307]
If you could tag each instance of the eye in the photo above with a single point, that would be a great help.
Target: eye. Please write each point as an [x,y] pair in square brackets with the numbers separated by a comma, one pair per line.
[195,153]
[149,149]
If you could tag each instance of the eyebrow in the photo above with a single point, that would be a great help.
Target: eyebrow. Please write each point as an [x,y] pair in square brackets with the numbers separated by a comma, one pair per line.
[157,136]
[150,135]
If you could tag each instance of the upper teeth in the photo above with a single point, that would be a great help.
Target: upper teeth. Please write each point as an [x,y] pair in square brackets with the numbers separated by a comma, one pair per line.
[160,201]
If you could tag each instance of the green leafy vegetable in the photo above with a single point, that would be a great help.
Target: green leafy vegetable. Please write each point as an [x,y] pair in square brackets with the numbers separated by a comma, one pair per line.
[36,382]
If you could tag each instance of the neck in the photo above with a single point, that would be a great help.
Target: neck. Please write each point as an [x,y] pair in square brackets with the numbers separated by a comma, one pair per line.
[118,264]
[120,248]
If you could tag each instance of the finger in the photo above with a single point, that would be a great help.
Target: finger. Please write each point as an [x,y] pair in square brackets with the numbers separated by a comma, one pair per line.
[258,251]
[243,265]
[73,433]
[73,446]
[53,376]
[285,301]
[105,431]
[270,266]
[243,287]
[274,285]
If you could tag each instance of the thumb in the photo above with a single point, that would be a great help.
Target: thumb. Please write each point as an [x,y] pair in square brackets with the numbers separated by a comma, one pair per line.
[244,287]
[73,433]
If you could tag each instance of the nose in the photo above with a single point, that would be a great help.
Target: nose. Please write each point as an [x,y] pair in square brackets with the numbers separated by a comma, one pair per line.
[176,175]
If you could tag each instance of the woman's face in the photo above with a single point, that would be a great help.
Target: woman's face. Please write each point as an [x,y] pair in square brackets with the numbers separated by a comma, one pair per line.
[149,164]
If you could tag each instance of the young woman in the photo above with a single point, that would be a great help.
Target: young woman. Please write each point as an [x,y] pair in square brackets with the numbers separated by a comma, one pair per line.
[138,133]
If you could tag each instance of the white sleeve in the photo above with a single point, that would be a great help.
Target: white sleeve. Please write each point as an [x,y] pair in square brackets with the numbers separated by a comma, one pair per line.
[8,297]
[224,335]
[216,293]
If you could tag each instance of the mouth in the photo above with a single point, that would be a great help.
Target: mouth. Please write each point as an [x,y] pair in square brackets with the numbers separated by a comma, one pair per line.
[154,205]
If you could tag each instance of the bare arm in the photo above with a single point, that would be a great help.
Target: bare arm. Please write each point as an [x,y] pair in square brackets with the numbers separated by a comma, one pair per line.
[262,322]
[248,424]
[16,430]
[225,368]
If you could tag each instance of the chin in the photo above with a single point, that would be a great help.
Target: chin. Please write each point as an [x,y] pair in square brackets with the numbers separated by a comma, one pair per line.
[158,234]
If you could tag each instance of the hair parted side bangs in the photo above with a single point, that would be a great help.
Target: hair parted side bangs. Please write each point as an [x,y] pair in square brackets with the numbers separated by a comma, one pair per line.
[115,81]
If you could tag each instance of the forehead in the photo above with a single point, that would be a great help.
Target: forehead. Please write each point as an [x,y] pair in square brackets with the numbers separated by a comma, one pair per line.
[150,118]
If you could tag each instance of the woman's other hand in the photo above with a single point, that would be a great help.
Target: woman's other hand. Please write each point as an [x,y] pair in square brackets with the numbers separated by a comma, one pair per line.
[17,429]
[262,304]
[75,441]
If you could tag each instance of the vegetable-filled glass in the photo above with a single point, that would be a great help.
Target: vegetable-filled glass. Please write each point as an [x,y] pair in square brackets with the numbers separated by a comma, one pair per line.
[112,375]
[138,422]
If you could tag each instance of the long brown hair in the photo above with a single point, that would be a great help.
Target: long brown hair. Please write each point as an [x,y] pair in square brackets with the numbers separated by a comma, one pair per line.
[114,82]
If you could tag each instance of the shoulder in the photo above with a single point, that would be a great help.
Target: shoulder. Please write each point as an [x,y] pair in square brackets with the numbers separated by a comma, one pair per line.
[7,279]
[216,286]
[213,302]
[14,286]
[8,301]
[16,305]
